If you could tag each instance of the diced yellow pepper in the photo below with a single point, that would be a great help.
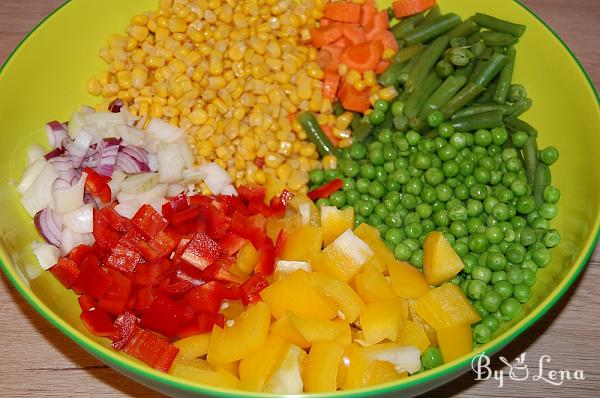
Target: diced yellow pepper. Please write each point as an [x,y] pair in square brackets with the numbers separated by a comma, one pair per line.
[295,294]
[334,222]
[446,306]
[410,333]
[380,320]
[307,210]
[371,285]
[344,337]
[378,263]
[371,236]
[407,281]
[232,308]
[302,242]
[342,373]
[245,336]
[314,330]
[256,368]
[193,346]
[345,298]
[274,186]
[322,364]
[365,370]
[427,328]
[247,258]
[219,377]
[455,341]
[284,328]
[275,225]
[287,377]
[440,261]
[344,257]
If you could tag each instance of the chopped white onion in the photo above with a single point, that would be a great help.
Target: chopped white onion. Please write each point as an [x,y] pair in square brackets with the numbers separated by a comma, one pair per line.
[69,199]
[229,190]
[71,239]
[115,183]
[171,162]
[34,153]
[80,220]
[30,175]
[175,189]
[46,254]
[215,177]
[160,132]
[39,193]
[128,209]
[159,191]
[404,358]
[140,182]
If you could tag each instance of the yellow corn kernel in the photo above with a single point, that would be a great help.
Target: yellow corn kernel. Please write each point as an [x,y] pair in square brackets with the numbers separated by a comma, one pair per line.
[260,177]
[216,63]
[105,54]
[297,180]
[140,19]
[153,62]
[124,79]
[304,87]
[138,32]
[165,4]
[388,93]
[353,76]
[284,172]
[342,69]
[177,25]
[273,160]
[116,40]
[345,143]
[343,120]
[152,25]
[370,78]
[216,82]
[387,54]
[198,74]
[308,150]
[360,85]
[315,100]
[110,90]
[329,162]
[239,113]
[198,116]
[93,86]
[144,108]
[156,110]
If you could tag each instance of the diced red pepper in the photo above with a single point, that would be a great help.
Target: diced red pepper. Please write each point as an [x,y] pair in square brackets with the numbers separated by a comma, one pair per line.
[97,185]
[115,220]
[201,251]
[279,203]
[116,298]
[266,264]
[220,271]
[150,274]
[175,205]
[131,239]
[79,253]
[176,288]
[280,243]
[251,228]
[325,191]
[126,326]
[66,271]
[252,193]
[185,216]
[161,245]
[143,299]
[199,200]
[202,324]
[148,221]
[152,350]
[105,236]
[232,204]
[259,208]
[217,223]
[252,287]
[92,280]
[86,302]
[124,258]
[98,322]
[206,298]
[164,316]
[231,244]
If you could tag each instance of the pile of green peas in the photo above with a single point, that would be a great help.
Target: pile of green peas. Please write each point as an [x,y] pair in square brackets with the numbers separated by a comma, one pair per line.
[470,186]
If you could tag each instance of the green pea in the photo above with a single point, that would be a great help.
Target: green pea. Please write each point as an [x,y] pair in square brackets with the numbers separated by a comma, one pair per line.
[332,174]
[413,137]
[413,230]
[362,185]
[381,105]
[498,276]
[450,168]
[394,235]
[323,202]
[365,208]
[551,238]
[435,118]
[352,196]
[458,140]
[382,228]
[476,289]
[510,307]
[338,199]
[519,138]
[464,286]
[428,194]
[316,176]
[380,210]
[389,153]
[547,210]
[551,194]
[376,189]
[541,257]
[474,208]
[496,261]
[528,277]
[409,201]
[515,253]
[504,287]
[359,219]
[376,156]
[459,229]
[422,161]
[461,248]
[479,308]
[393,185]
[491,300]
[483,138]
[393,220]
[549,155]
[491,322]
[416,258]
[522,292]
[423,210]
[515,276]
[376,117]
[494,149]
[481,273]
[440,218]
[432,358]
[470,261]
[397,108]
[350,168]
[500,211]
[499,135]
[526,204]
[402,252]
[481,333]
[494,234]
[349,184]
[374,220]
[358,151]
[445,130]
[444,192]
[461,192]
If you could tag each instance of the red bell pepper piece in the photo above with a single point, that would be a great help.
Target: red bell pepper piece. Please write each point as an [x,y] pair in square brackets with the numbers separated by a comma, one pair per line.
[259,208]
[116,298]
[252,287]
[252,193]
[199,200]
[231,204]
[66,271]
[202,324]
[185,216]
[143,299]
[220,271]
[325,190]
[164,316]
[251,228]
[231,244]
[150,274]
[279,203]
[124,258]
[104,235]
[126,326]
[98,322]
[148,221]
[87,303]
[206,298]
[115,220]
[79,253]
[152,350]
[201,251]
[161,245]
[97,185]
[176,288]
[280,243]
[266,264]
[92,280]
[175,205]
[217,223]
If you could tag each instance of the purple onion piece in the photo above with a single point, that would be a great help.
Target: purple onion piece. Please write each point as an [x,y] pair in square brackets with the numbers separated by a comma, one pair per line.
[57,134]
[48,226]
[107,157]
[54,153]
[116,105]
[132,159]
[87,198]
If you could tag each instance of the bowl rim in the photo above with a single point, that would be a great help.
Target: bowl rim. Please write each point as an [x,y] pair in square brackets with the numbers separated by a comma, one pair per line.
[452,369]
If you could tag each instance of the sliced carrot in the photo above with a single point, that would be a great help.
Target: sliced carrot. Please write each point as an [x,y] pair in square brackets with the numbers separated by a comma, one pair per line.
[406,8]
[387,39]
[354,100]
[354,33]
[324,22]
[335,52]
[331,82]
[326,34]
[343,12]
[363,57]
[342,43]
[380,21]
[374,34]
[369,9]
[383,65]
[329,133]
[292,116]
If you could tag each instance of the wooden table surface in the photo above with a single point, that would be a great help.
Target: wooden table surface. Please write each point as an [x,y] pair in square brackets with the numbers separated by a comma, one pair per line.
[36,360]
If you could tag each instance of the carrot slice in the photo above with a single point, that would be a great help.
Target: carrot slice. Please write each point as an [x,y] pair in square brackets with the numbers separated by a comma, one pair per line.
[368,12]
[343,12]
[363,57]
[354,100]
[380,21]
[387,39]
[324,22]
[342,43]
[406,8]
[329,134]
[354,34]
[330,85]
[326,34]
[335,53]
[383,65]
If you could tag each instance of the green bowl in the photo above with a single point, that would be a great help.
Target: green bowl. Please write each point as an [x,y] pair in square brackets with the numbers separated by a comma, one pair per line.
[44,79]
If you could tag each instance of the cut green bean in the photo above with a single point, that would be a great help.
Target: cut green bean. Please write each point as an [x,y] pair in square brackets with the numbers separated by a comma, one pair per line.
[406,25]
[465,71]
[356,121]
[442,95]
[485,120]
[530,153]
[521,106]
[391,75]
[488,95]
[415,102]
[481,108]
[464,29]
[462,99]
[316,135]
[407,53]
[478,48]
[361,132]
[499,25]
[433,14]
[426,62]
[459,56]
[516,124]
[338,109]
[543,179]
[408,67]
[424,33]
[499,39]
[444,68]
[505,78]
[489,71]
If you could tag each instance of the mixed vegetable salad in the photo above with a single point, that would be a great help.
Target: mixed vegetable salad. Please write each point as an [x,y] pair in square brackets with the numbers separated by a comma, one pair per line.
[298,197]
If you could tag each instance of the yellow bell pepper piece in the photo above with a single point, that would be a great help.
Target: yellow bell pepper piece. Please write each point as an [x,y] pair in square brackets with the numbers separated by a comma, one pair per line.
[344,257]
[308,211]
[344,297]
[256,368]
[247,258]
[380,320]
[245,336]
[427,328]
[314,330]
[322,365]
[342,373]
[455,341]
[440,261]
[366,369]
[371,236]
[284,328]
[218,377]
[302,242]
[334,222]
[274,187]
[287,377]
[344,332]
[295,294]
[193,346]
[371,285]
[410,333]
[446,306]
[232,308]
[407,281]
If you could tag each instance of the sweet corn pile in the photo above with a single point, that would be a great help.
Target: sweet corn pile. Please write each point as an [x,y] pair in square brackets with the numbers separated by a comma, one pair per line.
[231,73]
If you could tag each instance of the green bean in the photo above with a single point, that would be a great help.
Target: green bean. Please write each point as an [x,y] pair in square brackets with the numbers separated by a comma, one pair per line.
[407,53]
[530,153]
[356,121]
[465,71]
[406,25]
[433,14]
[516,124]
[424,33]
[459,56]
[462,99]
[316,135]
[361,132]
[338,109]
[391,14]
[426,62]
[444,68]
[488,95]
[391,74]
[465,28]
[415,102]
[388,121]
[521,106]
[499,39]
[499,25]
[474,38]
[486,54]
[516,92]
[478,48]
[491,68]
[505,78]
[442,95]
[481,108]
[408,67]
[484,120]
[543,179]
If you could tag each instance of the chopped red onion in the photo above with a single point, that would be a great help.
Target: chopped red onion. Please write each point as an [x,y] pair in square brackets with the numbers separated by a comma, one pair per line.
[116,105]
[107,156]
[96,202]
[54,153]
[79,147]
[132,159]
[57,134]
[49,226]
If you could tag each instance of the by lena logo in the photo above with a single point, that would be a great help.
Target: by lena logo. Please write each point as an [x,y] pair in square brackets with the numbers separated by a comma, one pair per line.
[519,371]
